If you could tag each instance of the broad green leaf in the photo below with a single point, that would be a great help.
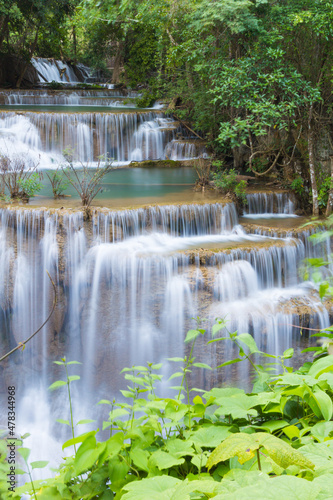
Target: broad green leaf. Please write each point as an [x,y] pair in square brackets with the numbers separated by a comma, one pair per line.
[277,488]
[78,439]
[39,464]
[249,341]
[154,488]
[178,448]
[322,430]
[140,458]
[71,378]
[24,452]
[191,335]
[238,406]
[86,421]
[244,446]
[322,365]
[87,454]
[274,425]
[55,385]
[163,460]
[74,363]
[325,403]
[209,436]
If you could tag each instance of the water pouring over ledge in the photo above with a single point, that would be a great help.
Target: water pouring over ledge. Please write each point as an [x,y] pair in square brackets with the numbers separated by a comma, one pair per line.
[129,283]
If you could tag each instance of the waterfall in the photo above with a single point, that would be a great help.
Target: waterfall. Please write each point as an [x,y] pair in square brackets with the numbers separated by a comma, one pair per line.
[119,136]
[269,205]
[50,70]
[146,272]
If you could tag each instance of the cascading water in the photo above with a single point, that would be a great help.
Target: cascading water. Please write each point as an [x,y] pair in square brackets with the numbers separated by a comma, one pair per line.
[269,205]
[51,70]
[128,284]
[120,136]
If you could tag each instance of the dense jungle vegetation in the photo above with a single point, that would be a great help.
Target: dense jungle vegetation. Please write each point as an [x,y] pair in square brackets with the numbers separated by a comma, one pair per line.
[252,77]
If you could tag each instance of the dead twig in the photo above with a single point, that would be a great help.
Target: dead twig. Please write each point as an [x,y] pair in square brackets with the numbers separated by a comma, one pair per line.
[21,344]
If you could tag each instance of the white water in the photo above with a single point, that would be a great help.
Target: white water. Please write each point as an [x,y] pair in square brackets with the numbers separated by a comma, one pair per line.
[52,70]
[269,206]
[122,137]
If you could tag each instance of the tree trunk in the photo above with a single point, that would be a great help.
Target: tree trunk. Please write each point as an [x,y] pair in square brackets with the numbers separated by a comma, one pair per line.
[117,63]
[329,207]
[3,28]
[74,43]
[25,67]
[315,206]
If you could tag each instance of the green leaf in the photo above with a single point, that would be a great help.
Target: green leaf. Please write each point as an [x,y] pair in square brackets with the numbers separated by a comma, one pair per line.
[39,464]
[230,362]
[325,403]
[202,365]
[71,378]
[24,452]
[209,436]
[322,365]
[154,488]
[249,341]
[55,385]
[140,458]
[74,363]
[78,439]
[191,335]
[104,402]
[86,421]
[61,421]
[288,353]
[244,446]
[163,460]
[87,454]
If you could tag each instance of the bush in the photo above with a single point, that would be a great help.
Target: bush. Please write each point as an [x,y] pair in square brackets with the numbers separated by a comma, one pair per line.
[19,177]
[221,442]
[226,182]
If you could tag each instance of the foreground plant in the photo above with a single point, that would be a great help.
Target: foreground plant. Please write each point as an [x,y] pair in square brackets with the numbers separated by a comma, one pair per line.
[224,444]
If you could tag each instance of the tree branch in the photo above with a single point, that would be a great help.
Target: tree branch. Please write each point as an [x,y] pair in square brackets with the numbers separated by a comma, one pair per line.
[20,344]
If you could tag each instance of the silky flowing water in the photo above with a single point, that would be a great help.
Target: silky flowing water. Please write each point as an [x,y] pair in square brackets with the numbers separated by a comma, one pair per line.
[130,281]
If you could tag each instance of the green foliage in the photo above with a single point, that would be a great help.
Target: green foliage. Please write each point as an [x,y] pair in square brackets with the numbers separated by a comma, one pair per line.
[29,186]
[58,182]
[226,182]
[297,185]
[221,444]
[323,192]
[55,85]
[146,100]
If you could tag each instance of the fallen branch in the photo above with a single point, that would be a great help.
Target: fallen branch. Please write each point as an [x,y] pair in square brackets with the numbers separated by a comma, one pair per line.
[188,128]
[21,344]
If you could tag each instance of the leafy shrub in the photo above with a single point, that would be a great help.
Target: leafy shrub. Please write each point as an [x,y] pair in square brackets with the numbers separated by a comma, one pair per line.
[55,85]
[146,100]
[226,182]
[30,186]
[297,185]
[19,177]
[323,192]
[58,182]
[221,441]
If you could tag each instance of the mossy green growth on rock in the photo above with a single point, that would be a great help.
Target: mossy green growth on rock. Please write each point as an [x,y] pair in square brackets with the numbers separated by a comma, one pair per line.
[156,163]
